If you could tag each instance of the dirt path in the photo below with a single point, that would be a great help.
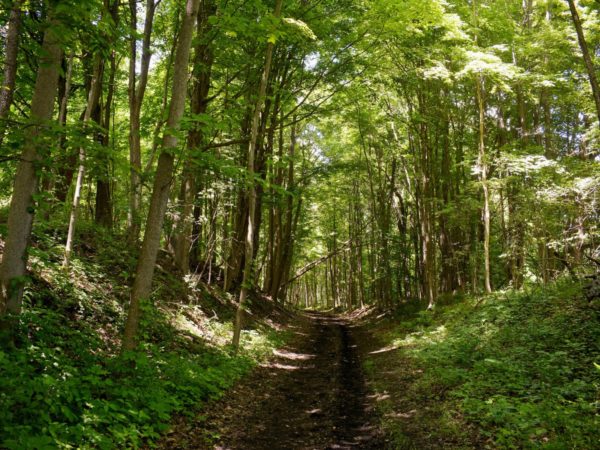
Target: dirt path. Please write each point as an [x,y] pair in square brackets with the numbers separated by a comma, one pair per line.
[312,396]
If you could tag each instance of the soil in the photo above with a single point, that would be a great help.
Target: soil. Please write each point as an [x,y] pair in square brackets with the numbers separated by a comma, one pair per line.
[312,395]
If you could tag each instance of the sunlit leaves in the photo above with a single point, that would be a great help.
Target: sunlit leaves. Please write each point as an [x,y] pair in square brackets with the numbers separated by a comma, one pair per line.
[300,27]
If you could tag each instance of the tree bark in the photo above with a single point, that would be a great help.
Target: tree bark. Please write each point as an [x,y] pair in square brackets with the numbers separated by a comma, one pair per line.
[483,168]
[587,59]
[163,179]
[249,245]
[104,205]
[284,232]
[203,60]
[22,206]
[93,98]
[11,50]
[65,171]
[136,99]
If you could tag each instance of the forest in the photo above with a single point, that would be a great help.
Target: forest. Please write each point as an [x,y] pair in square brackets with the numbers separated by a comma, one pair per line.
[299,224]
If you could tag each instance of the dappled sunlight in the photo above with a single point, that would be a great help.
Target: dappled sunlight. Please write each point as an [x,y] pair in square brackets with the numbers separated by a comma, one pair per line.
[386,349]
[193,321]
[379,397]
[291,355]
[276,365]
[402,415]
[422,337]
[300,333]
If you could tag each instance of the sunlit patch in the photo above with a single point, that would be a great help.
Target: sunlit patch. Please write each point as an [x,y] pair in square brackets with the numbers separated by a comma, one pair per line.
[379,397]
[422,337]
[279,366]
[402,415]
[193,321]
[299,333]
[293,356]
[388,348]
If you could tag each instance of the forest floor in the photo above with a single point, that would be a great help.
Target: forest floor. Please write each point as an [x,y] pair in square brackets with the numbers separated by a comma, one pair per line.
[515,369]
[312,395]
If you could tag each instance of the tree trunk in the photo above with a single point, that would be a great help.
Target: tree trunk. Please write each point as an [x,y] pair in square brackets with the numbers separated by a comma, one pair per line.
[93,98]
[235,255]
[249,246]
[104,206]
[283,243]
[162,182]
[587,59]
[483,168]
[22,206]
[203,61]
[136,98]
[7,89]
[65,171]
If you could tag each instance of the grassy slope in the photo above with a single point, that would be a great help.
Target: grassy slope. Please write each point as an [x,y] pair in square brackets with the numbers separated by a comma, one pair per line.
[510,370]
[64,386]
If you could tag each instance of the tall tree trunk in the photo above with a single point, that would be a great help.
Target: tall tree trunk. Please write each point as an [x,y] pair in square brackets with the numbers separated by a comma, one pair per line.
[22,205]
[93,98]
[483,169]
[249,245]
[7,88]
[163,179]
[136,99]
[104,207]
[235,256]
[587,59]
[283,242]
[425,207]
[65,171]
[104,204]
[203,61]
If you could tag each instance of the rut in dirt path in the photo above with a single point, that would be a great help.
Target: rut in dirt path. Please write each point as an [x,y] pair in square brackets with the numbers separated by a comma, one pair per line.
[312,396]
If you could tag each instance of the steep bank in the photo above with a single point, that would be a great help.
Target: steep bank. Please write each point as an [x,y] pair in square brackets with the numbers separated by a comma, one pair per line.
[509,370]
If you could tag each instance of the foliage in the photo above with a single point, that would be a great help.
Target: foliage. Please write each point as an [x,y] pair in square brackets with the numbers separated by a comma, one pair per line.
[63,385]
[518,365]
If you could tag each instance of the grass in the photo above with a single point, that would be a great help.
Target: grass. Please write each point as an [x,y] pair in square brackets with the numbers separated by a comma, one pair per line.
[64,384]
[509,370]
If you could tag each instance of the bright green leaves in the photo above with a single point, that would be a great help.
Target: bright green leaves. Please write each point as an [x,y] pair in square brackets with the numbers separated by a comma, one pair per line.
[483,63]
[437,71]
[65,390]
[268,29]
[491,67]
[288,29]
[301,28]
[408,17]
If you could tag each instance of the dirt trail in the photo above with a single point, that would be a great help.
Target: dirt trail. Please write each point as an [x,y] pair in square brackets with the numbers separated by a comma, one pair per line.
[312,396]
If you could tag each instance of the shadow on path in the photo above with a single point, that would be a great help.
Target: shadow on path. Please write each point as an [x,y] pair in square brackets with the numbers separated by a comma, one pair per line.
[311,396]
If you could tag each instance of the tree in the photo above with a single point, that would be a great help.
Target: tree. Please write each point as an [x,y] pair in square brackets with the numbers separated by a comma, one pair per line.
[23,205]
[10,65]
[587,59]
[163,178]
[137,91]
[250,230]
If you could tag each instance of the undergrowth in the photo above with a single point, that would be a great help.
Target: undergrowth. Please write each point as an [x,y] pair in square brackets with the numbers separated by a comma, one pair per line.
[520,368]
[65,385]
